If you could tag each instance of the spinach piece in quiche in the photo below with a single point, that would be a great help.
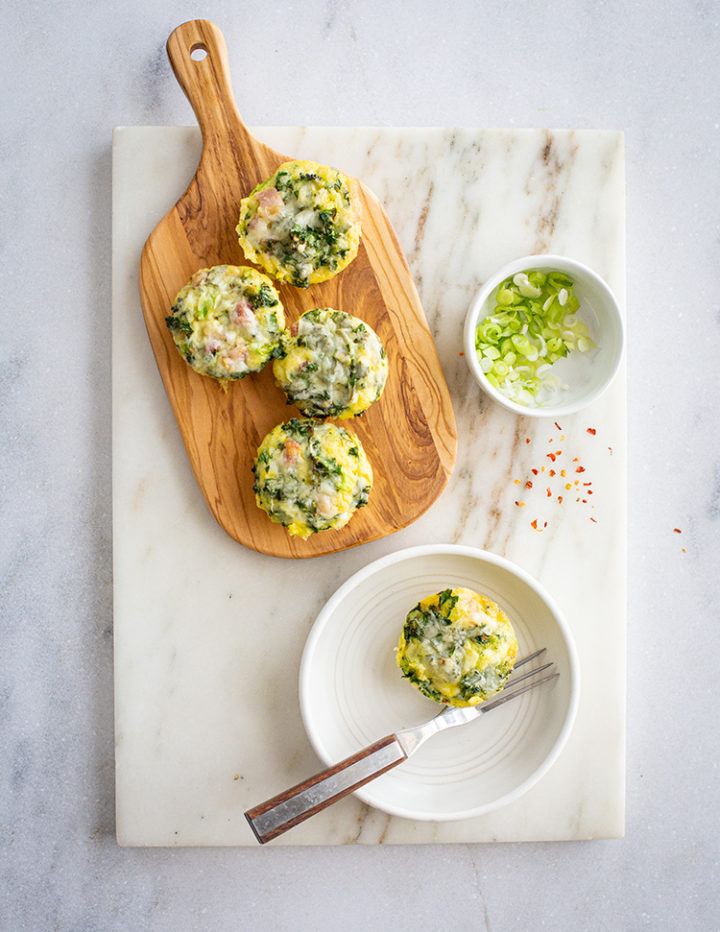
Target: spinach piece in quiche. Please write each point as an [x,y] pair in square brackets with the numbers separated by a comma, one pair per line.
[446,602]
[178,324]
[263,297]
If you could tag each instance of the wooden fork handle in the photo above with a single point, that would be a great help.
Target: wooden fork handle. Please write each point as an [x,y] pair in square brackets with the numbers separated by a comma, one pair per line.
[205,78]
[277,815]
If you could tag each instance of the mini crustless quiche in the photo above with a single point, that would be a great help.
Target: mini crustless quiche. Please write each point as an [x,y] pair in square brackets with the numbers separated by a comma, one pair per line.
[227,321]
[302,225]
[457,647]
[311,476]
[334,364]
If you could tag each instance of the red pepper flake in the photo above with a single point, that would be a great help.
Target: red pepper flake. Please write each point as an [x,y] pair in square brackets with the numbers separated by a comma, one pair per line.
[462,354]
[684,550]
[533,523]
[551,473]
[558,453]
[589,492]
[677,530]
[593,519]
[563,472]
[545,524]
[558,426]
[587,483]
[576,459]
[551,456]
[591,430]
[610,449]
[528,484]
[534,472]
[527,440]
[520,504]
[580,469]
[584,501]
[516,481]
[560,498]
[549,493]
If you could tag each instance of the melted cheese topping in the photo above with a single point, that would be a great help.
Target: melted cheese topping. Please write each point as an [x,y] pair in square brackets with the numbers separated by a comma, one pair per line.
[457,647]
[302,225]
[311,476]
[334,365]
[227,321]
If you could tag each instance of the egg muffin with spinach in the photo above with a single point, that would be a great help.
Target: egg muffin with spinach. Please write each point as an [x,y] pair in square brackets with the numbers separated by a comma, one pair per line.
[311,476]
[227,321]
[334,365]
[301,225]
[457,647]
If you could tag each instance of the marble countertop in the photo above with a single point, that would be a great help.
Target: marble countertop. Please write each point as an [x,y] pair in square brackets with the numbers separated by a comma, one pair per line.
[207,709]
[70,76]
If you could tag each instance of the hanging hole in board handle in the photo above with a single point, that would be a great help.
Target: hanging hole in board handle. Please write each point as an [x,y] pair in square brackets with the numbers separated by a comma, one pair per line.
[198,51]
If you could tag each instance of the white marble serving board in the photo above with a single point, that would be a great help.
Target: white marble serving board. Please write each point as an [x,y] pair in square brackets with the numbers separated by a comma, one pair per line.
[209,635]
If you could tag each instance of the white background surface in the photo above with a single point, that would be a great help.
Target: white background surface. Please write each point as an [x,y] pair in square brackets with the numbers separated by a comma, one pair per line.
[69,75]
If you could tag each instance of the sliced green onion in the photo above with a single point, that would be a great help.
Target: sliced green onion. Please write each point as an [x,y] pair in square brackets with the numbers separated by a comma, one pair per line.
[533,324]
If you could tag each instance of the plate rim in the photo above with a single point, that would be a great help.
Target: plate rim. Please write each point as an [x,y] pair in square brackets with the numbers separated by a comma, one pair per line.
[459,550]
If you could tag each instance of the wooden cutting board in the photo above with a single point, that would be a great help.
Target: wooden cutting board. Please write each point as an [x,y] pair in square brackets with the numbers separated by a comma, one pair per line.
[409,435]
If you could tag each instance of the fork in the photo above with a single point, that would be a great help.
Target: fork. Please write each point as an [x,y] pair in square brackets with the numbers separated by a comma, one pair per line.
[291,807]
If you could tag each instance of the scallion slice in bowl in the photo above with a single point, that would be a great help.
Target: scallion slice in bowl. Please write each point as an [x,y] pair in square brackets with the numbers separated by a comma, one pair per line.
[534,323]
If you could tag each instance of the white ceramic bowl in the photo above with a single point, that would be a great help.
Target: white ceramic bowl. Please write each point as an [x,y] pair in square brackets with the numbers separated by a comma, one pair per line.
[586,374]
[352,692]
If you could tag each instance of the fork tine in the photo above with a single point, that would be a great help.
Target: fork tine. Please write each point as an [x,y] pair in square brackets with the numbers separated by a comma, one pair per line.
[514,680]
[506,696]
[520,663]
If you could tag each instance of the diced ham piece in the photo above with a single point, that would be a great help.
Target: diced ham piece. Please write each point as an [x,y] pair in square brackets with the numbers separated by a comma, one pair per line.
[242,313]
[291,452]
[294,328]
[258,226]
[270,203]
[325,506]
[233,359]
[212,346]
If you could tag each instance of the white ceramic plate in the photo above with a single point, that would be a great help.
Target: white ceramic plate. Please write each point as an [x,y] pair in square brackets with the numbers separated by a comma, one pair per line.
[352,693]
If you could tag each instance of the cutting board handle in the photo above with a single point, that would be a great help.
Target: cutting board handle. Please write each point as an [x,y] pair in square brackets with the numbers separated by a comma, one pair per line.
[199,58]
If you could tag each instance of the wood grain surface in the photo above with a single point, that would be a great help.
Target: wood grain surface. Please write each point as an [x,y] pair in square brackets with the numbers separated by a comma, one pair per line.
[409,434]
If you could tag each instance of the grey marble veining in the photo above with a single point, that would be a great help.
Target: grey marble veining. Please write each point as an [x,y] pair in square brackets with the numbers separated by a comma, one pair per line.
[70,74]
